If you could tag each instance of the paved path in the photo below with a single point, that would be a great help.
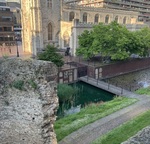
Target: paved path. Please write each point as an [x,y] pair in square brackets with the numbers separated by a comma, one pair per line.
[92,131]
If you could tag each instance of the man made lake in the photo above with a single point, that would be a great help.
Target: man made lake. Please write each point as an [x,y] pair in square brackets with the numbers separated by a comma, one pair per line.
[87,94]
[90,94]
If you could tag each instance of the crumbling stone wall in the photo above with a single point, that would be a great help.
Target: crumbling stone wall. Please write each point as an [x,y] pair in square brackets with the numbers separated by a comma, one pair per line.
[28,101]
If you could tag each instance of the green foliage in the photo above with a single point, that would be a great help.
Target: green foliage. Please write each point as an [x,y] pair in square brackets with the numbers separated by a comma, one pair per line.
[19,84]
[89,114]
[85,43]
[65,92]
[50,54]
[145,91]
[114,40]
[33,84]
[125,131]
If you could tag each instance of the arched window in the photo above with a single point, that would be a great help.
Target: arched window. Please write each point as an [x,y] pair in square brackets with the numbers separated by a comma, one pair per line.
[116,18]
[107,19]
[50,31]
[96,18]
[124,20]
[85,17]
[49,3]
[66,39]
[71,16]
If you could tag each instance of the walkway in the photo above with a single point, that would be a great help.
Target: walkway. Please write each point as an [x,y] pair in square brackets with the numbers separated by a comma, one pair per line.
[110,88]
[92,131]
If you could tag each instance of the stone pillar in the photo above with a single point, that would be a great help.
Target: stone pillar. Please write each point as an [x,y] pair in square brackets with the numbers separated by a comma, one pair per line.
[32,26]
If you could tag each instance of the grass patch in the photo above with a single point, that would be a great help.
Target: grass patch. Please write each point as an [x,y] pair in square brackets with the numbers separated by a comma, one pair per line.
[89,114]
[125,131]
[142,91]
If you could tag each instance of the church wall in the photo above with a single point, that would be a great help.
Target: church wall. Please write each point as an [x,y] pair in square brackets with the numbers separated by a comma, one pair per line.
[50,15]
[102,14]
[31,26]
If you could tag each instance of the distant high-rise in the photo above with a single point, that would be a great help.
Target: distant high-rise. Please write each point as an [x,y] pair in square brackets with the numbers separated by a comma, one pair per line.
[2,2]
[141,6]
[18,1]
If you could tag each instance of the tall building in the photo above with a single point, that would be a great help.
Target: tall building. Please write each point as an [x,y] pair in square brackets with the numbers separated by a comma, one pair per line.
[17,1]
[7,35]
[141,6]
[2,2]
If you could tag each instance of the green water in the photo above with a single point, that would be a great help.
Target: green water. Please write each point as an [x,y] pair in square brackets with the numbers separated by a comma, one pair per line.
[88,94]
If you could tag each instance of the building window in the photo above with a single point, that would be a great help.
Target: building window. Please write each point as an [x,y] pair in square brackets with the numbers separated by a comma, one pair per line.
[50,31]
[71,16]
[116,19]
[124,20]
[49,3]
[85,17]
[7,29]
[107,19]
[6,19]
[96,18]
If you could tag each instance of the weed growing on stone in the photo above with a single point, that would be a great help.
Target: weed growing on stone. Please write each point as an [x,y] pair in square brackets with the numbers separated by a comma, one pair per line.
[19,84]
[32,84]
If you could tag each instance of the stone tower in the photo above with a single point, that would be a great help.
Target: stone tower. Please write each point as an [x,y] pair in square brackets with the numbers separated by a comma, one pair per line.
[41,24]
[32,26]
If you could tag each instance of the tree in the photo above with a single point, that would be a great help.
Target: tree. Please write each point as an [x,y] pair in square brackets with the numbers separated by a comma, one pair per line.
[143,44]
[85,43]
[111,40]
[50,54]
[115,41]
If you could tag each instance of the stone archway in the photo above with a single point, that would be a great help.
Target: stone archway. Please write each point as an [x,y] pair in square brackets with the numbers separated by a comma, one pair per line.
[66,39]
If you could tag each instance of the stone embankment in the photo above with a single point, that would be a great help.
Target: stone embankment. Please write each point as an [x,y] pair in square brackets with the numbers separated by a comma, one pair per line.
[28,101]
[142,137]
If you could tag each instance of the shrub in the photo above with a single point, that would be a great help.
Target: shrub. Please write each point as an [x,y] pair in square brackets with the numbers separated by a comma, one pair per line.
[66,92]
[50,54]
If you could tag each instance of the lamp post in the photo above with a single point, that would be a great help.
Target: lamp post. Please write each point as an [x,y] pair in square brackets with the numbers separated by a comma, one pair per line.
[9,44]
[17,47]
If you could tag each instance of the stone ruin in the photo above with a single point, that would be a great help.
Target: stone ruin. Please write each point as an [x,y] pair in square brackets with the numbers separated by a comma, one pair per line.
[28,101]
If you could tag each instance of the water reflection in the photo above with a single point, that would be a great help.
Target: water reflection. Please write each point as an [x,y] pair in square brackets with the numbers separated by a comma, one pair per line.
[87,94]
